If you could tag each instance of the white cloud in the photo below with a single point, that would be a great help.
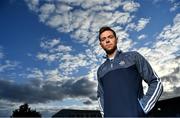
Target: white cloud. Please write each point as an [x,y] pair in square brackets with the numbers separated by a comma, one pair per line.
[47,57]
[69,62]
[55,21]
[61,8]
[45,75]
[49,44]
[168,86]
[168,45]
[175,5]
[131,6]
[77,106]
[35,74]
[124,42]
[53,50]
[62,48]
[83,18]
[170,37]
[8,65]
[90,4]
[7,107]
[33,4]
[96,4]
[53,75]
[142,23]
[72,63]
[163,55]
[143,36]
[45,11]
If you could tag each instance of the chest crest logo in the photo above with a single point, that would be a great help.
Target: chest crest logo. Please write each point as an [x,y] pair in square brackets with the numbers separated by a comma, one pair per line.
[122,63]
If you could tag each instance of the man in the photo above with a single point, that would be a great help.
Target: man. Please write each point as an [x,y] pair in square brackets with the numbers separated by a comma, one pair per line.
[120,90]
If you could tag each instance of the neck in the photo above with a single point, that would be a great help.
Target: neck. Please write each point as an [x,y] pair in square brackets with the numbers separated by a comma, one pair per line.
[111,55]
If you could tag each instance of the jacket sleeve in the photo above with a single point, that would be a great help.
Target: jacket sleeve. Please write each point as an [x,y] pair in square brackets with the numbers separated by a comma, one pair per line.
[100,97]
[155,87]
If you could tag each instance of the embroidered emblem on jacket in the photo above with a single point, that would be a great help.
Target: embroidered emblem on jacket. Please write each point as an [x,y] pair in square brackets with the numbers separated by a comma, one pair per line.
[121,62]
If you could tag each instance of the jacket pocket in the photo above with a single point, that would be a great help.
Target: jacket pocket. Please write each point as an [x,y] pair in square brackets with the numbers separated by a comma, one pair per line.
[140,109]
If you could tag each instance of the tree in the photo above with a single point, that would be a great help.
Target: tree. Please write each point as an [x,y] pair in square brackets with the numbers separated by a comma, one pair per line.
[25,111]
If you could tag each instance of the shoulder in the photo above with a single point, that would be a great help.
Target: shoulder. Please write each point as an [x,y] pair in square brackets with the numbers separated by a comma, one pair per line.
[101,67]
[131,54]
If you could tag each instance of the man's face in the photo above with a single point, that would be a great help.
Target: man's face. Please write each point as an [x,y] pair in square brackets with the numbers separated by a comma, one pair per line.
[108,41]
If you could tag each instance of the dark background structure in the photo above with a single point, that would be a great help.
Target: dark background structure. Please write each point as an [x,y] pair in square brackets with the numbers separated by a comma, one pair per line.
[163,108]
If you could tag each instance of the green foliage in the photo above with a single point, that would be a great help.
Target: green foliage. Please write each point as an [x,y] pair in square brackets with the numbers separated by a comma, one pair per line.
[25,111]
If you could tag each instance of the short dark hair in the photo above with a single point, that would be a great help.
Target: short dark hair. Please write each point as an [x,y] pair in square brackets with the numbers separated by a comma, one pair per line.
[106,28]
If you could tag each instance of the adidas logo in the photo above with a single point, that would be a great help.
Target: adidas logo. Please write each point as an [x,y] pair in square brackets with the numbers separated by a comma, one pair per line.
[121,62]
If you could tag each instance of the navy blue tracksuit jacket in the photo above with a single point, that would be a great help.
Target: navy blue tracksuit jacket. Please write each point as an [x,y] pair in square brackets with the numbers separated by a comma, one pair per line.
[120,90]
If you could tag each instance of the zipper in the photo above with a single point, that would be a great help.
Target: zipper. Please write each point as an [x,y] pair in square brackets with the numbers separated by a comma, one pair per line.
[111,61]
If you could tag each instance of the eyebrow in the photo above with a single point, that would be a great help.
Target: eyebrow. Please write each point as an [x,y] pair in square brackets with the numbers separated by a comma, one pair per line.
[108,36]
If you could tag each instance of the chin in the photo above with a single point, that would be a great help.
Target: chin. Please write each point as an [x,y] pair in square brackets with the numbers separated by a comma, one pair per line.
[110,51]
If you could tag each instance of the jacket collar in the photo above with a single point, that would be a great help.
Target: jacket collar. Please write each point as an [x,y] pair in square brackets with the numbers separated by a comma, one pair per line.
[118,52]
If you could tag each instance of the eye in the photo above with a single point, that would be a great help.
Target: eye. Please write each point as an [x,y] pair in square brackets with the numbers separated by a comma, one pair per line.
[103,39]
[111,36]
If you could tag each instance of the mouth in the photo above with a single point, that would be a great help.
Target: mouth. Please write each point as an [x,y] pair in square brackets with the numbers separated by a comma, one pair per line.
[109,45]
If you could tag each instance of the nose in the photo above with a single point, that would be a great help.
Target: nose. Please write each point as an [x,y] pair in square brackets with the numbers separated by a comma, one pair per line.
[107,40]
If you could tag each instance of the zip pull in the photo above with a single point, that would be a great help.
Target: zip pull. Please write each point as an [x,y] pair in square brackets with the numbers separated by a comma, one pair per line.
[111,65]
[111,61]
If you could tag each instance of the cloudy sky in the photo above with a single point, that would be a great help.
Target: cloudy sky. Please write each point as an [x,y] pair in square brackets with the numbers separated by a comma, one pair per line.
[49,49]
